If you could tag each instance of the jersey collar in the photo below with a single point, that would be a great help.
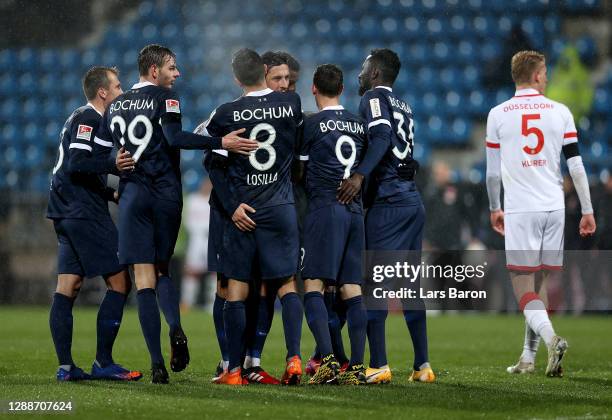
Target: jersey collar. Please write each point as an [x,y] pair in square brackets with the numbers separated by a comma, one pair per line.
[384,87]
[142,84]
[333,108]
[260,92]
[89,104]
[526,92]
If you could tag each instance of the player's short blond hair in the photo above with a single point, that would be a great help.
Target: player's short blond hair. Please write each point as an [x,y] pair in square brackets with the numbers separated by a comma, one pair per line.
[524,64]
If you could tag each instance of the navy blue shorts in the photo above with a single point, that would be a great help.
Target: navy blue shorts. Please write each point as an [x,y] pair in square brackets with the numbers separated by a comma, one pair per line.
[273,245]
[148,227]
[87,248]
[395,227]
[216,228]
[334,240]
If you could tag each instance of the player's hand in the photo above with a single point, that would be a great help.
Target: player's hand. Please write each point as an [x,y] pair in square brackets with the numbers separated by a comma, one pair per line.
[587,225]
[241,219]
[232,142]
[116,197]
[124,161]
[497,221]
[349,188]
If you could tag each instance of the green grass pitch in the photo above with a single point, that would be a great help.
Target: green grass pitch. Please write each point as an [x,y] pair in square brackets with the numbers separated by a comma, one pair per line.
[468,352]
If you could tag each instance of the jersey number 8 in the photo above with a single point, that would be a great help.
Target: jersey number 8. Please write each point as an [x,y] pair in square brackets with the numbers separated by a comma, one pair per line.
[140,142]
[265,145]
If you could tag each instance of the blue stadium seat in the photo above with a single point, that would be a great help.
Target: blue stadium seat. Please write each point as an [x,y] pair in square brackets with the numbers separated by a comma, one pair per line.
[27,60]
[27,83]
[603,101]
[7,59]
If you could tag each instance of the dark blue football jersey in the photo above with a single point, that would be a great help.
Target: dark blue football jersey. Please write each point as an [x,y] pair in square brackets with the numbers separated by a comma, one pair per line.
[213,201]
[381,106]
[78,195]
[133,120]
[274,119]
[334,144]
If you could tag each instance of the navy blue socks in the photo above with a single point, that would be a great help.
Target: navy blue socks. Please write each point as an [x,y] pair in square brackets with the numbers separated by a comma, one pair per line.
[148,313]
[168,299]
[292,322]
[220,326]
[357,321]
[316,317]
[108,323]
[416,320]
[376,337]
[234,317]
[60,322]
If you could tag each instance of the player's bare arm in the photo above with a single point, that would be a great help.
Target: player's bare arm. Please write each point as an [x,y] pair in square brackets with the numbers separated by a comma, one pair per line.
[232,142]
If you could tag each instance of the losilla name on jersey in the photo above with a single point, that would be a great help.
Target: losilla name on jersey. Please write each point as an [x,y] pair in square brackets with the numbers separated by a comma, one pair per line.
[262,179]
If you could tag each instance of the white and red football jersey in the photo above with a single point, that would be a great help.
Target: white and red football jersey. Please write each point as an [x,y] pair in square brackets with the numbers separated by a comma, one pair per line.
[530,130]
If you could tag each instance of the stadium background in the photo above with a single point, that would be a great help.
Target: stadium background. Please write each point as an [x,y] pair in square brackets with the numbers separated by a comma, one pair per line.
[455,67]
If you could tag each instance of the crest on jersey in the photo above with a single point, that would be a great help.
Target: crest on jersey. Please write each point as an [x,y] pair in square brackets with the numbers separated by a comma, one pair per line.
[172,105]
[375,107]
[84,132]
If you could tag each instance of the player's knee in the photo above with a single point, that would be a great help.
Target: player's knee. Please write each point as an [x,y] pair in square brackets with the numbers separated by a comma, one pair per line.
[287,286]
[348,291]
[314,285]
[119,282]
[69,284]
[237,291]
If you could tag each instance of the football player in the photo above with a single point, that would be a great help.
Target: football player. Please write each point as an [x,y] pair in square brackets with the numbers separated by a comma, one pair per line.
[146,120]
[258,194]
[87,236]
[334,144]
[396,217]
[525,138]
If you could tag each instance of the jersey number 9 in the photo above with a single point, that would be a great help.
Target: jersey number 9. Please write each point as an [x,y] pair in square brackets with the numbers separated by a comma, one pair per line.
[347,162]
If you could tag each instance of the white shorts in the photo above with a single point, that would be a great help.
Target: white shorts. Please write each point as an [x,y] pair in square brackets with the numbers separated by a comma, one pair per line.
[197,254]
[534,241]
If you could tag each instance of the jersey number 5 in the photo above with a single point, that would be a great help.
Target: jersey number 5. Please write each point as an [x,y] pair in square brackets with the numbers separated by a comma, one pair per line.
[140,142]
[525,131]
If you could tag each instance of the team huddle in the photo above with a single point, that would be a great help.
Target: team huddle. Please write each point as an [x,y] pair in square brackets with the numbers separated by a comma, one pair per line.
[295,194]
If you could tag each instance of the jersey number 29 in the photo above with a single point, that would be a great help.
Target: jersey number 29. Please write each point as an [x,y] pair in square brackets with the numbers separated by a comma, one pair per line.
[140,142]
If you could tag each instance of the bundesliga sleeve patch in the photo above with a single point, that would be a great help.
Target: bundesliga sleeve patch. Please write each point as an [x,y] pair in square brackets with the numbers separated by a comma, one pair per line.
[375,107]
[84,132]
[172,105]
